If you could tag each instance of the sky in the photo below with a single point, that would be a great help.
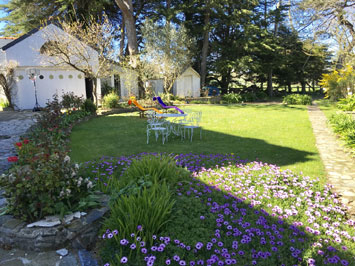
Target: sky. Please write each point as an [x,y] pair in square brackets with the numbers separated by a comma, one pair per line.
[2,14]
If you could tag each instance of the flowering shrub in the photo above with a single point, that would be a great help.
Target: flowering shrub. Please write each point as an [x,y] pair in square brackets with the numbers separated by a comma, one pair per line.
[42,180]
[339,83]
[241,214]
[70,100]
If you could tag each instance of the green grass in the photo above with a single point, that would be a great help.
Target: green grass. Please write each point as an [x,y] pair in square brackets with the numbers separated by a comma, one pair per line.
[274,134]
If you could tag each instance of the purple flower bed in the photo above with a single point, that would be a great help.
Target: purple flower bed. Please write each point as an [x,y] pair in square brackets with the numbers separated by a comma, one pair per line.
[238,213]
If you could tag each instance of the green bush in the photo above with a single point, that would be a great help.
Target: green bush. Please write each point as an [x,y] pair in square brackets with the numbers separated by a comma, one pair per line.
[110,100]
[249,97]
[344,125]
[347,104]
[107,89]
[297,99]
[70,100]
[155,169]
[232,98]
[89,106]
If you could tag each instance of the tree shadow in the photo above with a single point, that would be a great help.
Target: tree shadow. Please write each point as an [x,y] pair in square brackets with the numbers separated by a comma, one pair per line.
[122,135]
[238,227]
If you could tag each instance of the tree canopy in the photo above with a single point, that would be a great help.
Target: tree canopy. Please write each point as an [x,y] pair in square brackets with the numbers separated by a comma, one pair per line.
[236,43]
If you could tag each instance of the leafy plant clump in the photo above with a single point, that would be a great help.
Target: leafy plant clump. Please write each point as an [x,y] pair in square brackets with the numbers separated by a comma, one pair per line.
[297,99]
[232,98]
[110,100]
[344,125]
[89,106]
[42,181]
[347,104]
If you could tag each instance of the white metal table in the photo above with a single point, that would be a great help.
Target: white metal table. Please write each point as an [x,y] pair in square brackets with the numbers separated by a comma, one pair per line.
[175,122]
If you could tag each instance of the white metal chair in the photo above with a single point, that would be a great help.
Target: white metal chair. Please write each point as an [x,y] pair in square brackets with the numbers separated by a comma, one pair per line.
[193,121]
[158,126]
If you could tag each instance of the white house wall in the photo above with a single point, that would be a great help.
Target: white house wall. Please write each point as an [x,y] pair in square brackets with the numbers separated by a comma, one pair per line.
[26,52]
[54,82]
[190,78]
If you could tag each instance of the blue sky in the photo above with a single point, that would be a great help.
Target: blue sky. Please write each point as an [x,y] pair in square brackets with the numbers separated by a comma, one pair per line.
[2,14]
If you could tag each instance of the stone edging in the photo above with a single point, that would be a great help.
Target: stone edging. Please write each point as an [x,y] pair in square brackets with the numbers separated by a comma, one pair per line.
[78,230]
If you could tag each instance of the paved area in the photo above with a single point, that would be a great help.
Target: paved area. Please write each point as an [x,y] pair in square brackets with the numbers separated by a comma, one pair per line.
[12,126]
[340,167]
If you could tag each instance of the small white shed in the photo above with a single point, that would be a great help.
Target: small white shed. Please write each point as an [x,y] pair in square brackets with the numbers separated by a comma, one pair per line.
[51,80]
[187,84]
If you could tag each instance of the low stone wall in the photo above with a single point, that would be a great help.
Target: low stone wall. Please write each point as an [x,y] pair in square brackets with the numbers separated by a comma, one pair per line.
[78,230]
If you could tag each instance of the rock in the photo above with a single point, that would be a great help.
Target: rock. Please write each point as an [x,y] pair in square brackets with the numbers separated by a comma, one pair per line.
[77,215]
[69,260]
[68,218]
[50,222]
[86,259]
[62,252]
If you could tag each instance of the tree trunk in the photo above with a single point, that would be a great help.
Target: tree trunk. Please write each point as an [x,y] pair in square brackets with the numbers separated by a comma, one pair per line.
[270,89]
[126,7]
[206,36]
[123,36]
[303,84]
[289,87]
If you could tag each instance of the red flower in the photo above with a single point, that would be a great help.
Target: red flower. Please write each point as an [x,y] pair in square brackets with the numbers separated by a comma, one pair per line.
[19,144]
[74,109]
[26,141]
[12,159]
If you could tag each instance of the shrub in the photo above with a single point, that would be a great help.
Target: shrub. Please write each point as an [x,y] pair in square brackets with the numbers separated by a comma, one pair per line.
[89,106]
[232,98]
[249,97]
[297,99]
[155,169]
[339,83]
[347,104]
[344,125]
[107,89]
[110,100]
[42,181]
[70,100]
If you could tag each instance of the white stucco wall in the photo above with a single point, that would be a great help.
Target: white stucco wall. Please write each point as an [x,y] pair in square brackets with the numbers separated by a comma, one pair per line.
[26,52]
[157,85]
[54,82]
[187,84]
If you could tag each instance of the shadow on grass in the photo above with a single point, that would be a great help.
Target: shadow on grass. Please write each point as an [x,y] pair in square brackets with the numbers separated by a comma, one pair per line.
[237,230]
[267,106]
[122,135]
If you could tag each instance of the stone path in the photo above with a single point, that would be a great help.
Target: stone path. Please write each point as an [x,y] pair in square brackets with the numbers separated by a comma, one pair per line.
[12,126]
[340,167]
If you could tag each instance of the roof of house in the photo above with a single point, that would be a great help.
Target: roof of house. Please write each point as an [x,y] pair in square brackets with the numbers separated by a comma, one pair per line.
[5,40]
[19,39]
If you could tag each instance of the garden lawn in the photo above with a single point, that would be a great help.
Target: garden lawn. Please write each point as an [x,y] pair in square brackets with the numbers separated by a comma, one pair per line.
[275,134]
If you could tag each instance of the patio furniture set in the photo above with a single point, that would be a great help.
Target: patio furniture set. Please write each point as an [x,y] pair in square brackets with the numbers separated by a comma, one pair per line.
[169,124]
